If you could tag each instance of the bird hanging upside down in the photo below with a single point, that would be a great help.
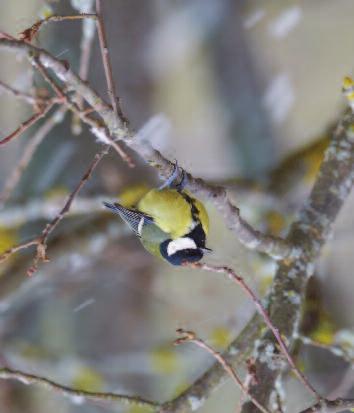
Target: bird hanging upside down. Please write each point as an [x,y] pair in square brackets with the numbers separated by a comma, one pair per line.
[170,222]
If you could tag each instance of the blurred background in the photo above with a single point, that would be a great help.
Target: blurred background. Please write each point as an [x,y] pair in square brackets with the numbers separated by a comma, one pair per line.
[246,94]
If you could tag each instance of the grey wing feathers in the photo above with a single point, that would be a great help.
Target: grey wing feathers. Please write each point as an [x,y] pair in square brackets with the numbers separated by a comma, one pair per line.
[135,219]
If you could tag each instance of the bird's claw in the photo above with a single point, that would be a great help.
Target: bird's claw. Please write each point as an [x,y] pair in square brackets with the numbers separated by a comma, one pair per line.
[170,181]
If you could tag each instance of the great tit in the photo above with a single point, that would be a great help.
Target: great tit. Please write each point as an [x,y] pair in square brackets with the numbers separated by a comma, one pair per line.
[169,221]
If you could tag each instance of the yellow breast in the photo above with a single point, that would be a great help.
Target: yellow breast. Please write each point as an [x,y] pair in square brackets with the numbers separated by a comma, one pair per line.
[172,212]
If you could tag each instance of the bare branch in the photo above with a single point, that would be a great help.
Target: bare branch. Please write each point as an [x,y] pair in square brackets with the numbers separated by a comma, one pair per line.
[74,394]
[190,336]
[107,65]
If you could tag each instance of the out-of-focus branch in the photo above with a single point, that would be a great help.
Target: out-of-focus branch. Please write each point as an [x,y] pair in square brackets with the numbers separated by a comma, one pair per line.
[32,145]
[46,209]
[93,239]
[28,123]
[336,350]
[300,166]
[330,406]
[26,97]
[74,394]
[190,336]
[251,238]
[87,38]
[44,130]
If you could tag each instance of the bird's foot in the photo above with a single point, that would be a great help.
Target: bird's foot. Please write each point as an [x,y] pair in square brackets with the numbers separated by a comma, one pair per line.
[170,181]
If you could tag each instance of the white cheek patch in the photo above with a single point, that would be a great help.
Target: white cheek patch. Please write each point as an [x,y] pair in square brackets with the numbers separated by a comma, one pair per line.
[180,244]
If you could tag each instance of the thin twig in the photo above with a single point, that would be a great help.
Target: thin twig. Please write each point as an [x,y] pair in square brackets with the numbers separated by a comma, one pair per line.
[42,243]
[25,378]
[107,64]
[31,32]
[241,282]
[26,97]
[21,246]
[28,152]
[190,336]
[28,123]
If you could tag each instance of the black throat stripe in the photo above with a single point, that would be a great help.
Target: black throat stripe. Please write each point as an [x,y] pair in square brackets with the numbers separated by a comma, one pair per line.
[197,234]
[194,210]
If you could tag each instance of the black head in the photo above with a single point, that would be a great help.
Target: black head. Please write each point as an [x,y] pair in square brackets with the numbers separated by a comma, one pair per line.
[181,251]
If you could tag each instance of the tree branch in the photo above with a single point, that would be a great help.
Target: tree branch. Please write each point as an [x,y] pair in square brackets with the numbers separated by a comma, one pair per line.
[74,394]
[309,233]
[251,238]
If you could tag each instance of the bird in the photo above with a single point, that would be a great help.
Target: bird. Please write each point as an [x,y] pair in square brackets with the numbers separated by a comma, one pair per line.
[171,223]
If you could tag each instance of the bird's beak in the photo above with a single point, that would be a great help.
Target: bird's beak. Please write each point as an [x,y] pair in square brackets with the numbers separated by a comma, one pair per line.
[207,250]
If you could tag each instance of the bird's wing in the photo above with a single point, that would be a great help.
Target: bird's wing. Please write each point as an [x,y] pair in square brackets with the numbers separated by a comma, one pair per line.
[135,219]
